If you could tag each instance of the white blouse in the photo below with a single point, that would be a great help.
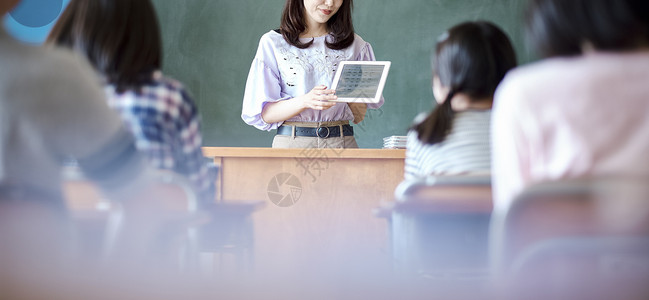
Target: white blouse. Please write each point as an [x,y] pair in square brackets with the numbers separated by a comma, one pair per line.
[281,71]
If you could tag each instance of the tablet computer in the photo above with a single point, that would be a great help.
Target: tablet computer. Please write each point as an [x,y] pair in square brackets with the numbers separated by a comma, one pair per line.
[360,81]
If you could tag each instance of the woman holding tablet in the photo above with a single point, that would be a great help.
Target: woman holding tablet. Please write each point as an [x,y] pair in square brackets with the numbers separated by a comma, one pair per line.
[469,62]
[287,87]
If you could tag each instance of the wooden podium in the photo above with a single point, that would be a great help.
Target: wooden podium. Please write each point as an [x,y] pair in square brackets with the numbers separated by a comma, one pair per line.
[319,201]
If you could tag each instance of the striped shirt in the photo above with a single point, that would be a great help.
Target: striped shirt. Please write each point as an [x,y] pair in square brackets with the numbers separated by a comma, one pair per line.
[465,149]
[165,122]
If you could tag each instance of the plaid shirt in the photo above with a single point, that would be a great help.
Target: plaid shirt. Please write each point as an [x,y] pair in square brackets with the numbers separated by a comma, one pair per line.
[166,125]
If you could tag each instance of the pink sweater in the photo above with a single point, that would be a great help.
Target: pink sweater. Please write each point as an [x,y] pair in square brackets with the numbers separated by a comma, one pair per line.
[570,117]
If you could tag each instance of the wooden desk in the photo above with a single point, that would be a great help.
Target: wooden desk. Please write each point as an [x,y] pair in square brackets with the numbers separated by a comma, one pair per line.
[334,191]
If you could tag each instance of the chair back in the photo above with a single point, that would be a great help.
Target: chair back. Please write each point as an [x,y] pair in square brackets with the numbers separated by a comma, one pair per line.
[106,226]
[445,194]
[439,225]
[171,191]
[564,236]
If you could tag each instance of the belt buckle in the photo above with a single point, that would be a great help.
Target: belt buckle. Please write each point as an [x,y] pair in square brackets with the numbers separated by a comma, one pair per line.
[317,132]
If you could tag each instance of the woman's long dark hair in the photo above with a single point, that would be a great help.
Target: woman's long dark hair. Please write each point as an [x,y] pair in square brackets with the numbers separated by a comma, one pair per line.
[340,25]
[470,58]
[121,38]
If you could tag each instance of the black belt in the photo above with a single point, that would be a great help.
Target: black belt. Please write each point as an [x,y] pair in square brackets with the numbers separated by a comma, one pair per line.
[321,132]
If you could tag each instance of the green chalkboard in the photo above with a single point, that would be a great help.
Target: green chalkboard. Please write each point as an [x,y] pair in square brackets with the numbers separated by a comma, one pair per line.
[209,45]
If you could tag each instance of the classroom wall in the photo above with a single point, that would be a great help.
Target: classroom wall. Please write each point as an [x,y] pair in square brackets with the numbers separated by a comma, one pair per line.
[209,45]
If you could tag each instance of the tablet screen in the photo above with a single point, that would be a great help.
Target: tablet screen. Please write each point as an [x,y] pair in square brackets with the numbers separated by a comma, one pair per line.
[359,80]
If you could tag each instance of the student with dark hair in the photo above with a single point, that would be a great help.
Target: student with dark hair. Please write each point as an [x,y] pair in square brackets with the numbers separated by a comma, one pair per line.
[581,111]
[287,87]
[469,62]
[121,38]
[52,108]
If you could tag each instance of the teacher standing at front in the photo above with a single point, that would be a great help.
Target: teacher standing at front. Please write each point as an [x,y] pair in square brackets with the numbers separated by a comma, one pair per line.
[288,84]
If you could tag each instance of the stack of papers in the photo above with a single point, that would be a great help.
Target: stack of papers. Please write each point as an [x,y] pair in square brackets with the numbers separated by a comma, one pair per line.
[395,142]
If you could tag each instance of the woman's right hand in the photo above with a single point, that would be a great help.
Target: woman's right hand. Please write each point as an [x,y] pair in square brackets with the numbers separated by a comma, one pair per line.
[318,98]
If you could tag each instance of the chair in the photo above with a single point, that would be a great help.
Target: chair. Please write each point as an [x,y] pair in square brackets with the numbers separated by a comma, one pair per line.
[190,235]
[168,210]
[446,194]
[579,239]
[438,226]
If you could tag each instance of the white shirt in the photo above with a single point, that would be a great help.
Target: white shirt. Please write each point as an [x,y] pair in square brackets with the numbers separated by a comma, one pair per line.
[466,149]
[281,71]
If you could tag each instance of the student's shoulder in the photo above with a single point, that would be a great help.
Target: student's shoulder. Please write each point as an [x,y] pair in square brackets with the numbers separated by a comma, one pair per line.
[413,143]
[539,70]
[44,57]
[68,64]
[159,79]
[525,77]
[165,86]
[473,120]
[56,57]
[171,89]
[531,86]
[52,65]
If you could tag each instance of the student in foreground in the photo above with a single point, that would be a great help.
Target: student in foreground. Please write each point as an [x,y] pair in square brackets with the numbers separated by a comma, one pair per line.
[581,111]
[121,38]
[469,62]
[288,84]
[53,108]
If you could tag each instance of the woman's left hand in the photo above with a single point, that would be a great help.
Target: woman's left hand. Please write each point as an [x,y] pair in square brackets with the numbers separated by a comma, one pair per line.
[359,110]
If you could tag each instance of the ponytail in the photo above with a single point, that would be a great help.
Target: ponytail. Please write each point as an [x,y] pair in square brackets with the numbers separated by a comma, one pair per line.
[438,124]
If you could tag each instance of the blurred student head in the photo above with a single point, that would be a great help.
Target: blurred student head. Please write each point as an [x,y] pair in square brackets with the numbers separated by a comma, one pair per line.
[471,59]
[568,27]
[121,38]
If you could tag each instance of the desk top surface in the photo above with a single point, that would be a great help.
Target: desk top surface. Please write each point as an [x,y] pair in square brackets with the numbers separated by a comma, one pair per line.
[304,152]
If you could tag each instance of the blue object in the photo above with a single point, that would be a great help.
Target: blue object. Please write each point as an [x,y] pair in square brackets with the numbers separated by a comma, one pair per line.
[32,20]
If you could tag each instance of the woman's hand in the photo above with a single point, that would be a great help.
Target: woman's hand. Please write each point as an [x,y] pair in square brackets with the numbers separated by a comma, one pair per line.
[318,98]
[359,110]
